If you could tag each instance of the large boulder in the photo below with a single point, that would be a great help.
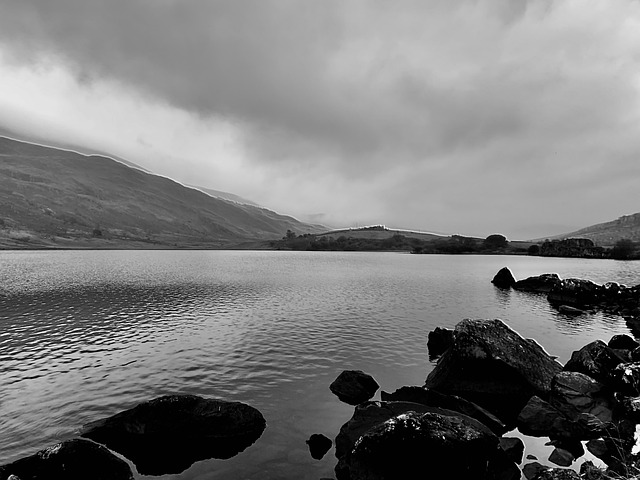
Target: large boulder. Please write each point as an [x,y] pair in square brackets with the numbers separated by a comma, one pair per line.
[575,292]
[539,418]
[168,434]
[437,446]
[538,284]
[354,387]
[504,278]
[492,365]
[429,397]
[595,360]
[577,394]
[319,445]
[439,340]
[76,459]
[369,415]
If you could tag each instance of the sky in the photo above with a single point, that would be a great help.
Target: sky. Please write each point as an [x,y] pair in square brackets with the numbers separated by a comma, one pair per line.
[471,116]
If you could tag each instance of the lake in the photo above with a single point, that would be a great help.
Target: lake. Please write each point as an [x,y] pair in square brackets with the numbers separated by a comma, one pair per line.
[86,334]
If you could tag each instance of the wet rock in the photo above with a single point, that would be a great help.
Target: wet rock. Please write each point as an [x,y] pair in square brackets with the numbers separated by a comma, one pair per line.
[535,471]
[168,434]
[575,292]
[578,394]
[371,414]
[538,284]
[561,457]
[439,341]
[440,446]
[319,445]
[630,408]
[595,360]
[625,378]
[354,387]
[540,419]
[504,278]
[531,470]
[623,342]
[426,396]
[492,365]
[76,459]
[513,447]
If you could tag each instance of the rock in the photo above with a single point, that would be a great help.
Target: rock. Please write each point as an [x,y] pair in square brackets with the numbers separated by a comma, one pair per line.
[439,446]
[577,394]
[502,467]
[319,445]
[623,342]
[561,457]
[630,408]
[535,471]
[76,459]
[595,360]
[168,434]
[354,387]
[625,378]
[371,414]
[538,284]
[513,447]
[504,278]
[635,355]
[439,341]
[426,396]
[575,292]
[540,419]
[492,365]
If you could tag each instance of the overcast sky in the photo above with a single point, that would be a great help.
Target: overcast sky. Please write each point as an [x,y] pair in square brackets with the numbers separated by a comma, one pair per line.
[467,116]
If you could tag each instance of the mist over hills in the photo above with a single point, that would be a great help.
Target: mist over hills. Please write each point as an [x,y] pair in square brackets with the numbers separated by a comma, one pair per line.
[50,197]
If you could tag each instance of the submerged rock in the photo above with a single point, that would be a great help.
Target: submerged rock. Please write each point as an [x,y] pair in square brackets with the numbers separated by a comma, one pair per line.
[354,387]
[492,365]
[504,278]
[168,434]
[76,459]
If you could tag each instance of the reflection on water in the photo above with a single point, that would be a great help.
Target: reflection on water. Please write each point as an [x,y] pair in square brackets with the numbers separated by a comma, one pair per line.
[84,335]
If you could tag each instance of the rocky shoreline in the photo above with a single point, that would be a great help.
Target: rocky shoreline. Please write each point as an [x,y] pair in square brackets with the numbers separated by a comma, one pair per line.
[488,380]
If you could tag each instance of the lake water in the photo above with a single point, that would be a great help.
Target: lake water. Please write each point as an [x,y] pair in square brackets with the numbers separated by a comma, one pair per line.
[86,334]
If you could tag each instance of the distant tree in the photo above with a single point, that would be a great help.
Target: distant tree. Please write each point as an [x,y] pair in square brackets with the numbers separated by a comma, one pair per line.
[290,235]
[623,249]
[495,241]
[533,250]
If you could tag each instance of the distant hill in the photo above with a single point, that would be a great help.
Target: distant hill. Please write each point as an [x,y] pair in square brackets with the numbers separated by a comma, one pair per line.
[51,197]
[225,195]
[608,233]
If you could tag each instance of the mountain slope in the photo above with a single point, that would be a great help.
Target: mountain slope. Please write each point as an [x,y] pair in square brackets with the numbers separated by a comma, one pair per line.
[608,233]
[54,197]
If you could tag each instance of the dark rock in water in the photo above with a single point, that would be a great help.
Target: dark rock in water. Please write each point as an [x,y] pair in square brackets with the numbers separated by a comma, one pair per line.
[426,396]
[540,419]
[623,342]
[575,292]
[513,447]
[371,414]
[76,459]
[561,457]
[504,278]
[319,445]
[625,378]
[531,470]
[578,394]
[438,446]
[439,341]
[570,310]
[354,387]
[492,365]
[168,434]
[538,284]
[595,360]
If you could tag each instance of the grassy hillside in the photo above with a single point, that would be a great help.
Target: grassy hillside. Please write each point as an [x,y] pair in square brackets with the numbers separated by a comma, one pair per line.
[608,233]
[53,197]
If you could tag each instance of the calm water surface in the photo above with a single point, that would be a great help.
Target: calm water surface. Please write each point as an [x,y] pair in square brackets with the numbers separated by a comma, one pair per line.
[86,334]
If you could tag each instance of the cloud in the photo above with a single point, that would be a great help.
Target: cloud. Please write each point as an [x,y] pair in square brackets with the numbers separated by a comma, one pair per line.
[418,110]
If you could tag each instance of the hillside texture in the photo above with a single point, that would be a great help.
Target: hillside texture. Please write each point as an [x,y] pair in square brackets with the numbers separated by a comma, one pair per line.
[608,233]
[57,198]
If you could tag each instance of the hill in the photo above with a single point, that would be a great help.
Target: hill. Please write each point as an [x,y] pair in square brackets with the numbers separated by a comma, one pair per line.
[608,233]
[50,197]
